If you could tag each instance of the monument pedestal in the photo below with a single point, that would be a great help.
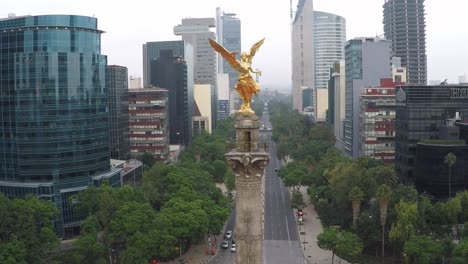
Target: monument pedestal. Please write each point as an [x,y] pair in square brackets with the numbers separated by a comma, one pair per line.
[248,161]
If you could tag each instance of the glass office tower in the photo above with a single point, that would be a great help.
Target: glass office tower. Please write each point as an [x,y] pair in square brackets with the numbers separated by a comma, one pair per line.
[117,88]
[54,131]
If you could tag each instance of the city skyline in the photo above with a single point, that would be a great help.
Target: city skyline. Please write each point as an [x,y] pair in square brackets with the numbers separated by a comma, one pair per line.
[128,27]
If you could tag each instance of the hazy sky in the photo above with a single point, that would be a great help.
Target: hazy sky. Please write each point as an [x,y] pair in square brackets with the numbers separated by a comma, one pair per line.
[129,24]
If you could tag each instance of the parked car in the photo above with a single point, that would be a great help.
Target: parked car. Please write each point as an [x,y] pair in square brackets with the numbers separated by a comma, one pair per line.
[225,244]
[233,248]
[228,234]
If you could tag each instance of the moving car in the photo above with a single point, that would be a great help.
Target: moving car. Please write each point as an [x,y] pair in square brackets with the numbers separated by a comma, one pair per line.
[225,244]
[228,234]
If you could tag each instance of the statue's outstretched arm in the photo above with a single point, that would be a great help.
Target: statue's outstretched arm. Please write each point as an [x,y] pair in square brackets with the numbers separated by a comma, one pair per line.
[255,72]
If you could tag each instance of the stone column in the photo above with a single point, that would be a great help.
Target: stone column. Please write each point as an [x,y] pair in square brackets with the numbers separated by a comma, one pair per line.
[248,161]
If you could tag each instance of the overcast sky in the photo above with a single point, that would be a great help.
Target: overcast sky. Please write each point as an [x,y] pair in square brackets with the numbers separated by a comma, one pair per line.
[129,24]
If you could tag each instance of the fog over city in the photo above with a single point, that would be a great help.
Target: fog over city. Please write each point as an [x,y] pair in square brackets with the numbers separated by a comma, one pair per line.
[129,24]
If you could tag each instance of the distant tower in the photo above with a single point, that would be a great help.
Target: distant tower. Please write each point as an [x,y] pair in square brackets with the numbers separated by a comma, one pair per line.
[196,31]
[248,160]
[302,47]
[229,35]
[405,25]
[329,42]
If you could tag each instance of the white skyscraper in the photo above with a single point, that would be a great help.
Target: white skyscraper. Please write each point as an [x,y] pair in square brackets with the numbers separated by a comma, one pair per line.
[329,42]
[302,45]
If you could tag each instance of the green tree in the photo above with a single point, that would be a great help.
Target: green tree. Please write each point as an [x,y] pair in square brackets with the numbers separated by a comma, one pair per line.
[297,200]
[13,252]
[356,196]
[89,248]
[26,231]
[384,175]
[219,170]
[450,160]
[384,194]
[460,253]
[367,228]
[348,246]
[327,240]
[230,181]
[422,249]
[147,159]
[404,228]
[343,243]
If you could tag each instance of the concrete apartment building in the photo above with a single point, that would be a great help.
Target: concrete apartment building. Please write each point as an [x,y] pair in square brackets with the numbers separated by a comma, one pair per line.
[149,124]
[377,121]
[367,60]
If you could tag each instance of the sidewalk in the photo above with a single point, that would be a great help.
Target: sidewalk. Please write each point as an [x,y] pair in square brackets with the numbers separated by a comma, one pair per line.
[308,233]
[195,254]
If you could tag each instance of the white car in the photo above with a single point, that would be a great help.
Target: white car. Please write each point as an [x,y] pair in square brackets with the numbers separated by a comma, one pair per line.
[233,248]
[228,234]
[225,244]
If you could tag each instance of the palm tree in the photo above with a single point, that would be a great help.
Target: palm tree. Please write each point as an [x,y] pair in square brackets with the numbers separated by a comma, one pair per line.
[356,195]
[450,160]
[384,193]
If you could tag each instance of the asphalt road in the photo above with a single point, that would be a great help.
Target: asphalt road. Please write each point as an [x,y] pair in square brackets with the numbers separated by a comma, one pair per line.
[225,256]
[281,239]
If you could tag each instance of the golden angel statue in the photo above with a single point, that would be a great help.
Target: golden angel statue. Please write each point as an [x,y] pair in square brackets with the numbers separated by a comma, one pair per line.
[246,85]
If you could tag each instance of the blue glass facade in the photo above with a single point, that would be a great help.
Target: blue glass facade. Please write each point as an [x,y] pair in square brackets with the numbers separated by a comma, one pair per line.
[54,132]
[232,42]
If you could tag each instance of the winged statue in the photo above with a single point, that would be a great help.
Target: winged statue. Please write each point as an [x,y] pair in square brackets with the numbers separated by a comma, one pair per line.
[246,85]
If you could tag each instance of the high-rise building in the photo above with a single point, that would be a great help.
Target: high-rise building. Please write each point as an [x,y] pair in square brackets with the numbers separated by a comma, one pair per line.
[302,46]
[54,134]
[117,87]
[196,31]
[367,60]
[336,102]
[377,121]
[170,72]
[228,29]
[223,96]
[202,115]
[180,48]
[183,51]
[329,42]
[405,25]
[149,130]
[420,112]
